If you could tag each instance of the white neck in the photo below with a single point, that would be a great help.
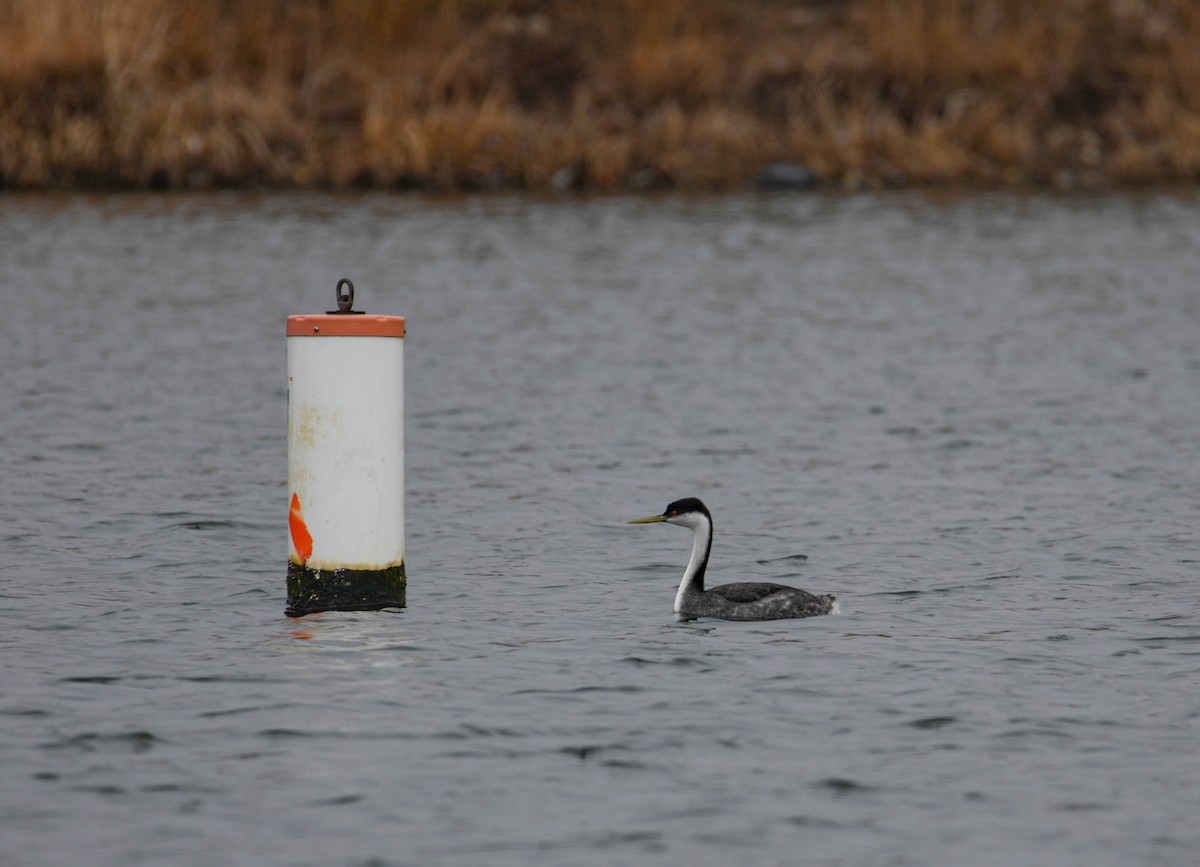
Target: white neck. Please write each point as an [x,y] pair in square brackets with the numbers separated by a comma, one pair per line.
[693,575]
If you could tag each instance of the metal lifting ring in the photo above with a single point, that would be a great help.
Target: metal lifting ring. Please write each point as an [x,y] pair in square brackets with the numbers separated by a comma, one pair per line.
[345,300]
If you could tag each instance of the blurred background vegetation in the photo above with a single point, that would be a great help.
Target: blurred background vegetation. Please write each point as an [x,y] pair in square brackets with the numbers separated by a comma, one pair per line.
[604,95]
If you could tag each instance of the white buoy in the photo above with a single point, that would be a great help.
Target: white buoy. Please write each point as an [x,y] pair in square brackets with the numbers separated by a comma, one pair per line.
[345,460]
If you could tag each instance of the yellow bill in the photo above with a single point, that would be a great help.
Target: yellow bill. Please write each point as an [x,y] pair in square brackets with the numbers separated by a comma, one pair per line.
[649,520]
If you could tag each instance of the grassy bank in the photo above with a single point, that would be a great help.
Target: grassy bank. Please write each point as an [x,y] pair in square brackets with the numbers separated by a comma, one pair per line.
[597,94]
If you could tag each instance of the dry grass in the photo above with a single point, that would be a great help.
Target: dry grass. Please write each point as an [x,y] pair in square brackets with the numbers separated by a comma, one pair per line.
[609,95]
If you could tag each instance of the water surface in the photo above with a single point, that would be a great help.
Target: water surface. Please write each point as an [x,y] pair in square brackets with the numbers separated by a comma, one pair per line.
[973,420]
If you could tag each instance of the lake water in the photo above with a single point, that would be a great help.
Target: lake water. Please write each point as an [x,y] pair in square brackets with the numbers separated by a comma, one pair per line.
[974,420]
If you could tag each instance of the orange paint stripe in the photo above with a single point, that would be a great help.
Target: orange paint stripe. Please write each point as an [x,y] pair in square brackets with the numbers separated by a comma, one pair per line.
[301,538]
[335,325]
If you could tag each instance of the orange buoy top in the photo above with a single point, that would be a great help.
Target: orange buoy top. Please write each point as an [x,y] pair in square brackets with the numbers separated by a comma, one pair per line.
[345,325]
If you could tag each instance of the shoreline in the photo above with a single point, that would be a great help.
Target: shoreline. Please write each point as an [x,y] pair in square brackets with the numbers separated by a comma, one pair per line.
[629,97]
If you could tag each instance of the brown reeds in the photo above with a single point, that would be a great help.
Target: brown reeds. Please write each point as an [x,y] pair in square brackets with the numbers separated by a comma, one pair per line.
[535,94]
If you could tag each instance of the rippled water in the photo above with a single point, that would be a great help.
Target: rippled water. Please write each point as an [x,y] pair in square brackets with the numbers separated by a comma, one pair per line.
[975,421]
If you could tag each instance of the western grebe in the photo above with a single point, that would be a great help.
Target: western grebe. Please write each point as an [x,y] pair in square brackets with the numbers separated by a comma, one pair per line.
[750,601]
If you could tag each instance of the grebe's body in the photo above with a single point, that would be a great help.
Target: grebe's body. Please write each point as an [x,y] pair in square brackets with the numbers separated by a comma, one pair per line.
[750,601]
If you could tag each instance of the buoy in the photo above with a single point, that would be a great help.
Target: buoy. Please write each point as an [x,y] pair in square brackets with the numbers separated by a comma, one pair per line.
[345,373]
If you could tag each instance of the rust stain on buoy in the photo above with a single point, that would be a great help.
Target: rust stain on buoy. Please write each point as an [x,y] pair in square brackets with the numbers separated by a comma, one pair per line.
[310,424]
[301,538]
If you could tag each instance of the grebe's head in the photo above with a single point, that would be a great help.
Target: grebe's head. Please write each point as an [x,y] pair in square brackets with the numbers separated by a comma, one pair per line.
[688,512]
